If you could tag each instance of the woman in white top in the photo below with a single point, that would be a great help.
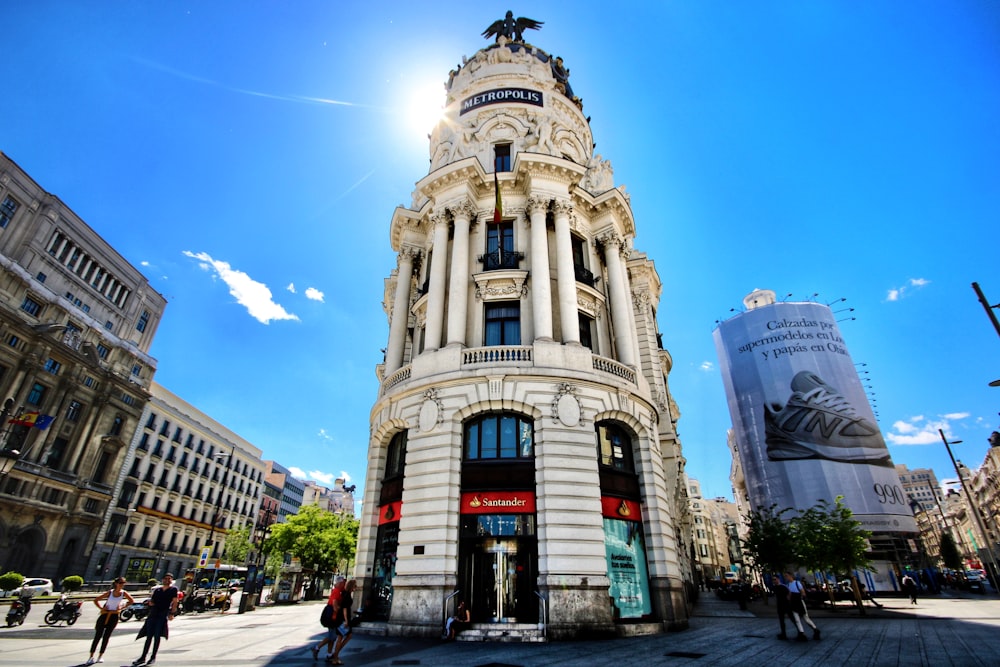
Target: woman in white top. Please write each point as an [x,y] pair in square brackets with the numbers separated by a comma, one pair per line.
[114,601]
[797,605]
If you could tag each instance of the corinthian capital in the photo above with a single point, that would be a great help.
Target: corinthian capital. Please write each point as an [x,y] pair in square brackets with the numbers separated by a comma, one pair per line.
[462,208]
[611,240]
[562,207]
[536,204]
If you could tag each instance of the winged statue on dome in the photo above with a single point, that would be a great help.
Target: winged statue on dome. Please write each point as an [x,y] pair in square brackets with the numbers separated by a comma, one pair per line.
[511,28]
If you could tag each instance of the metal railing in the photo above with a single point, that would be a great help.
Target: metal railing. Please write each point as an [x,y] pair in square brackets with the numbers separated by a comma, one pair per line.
[545,620]
[444,607]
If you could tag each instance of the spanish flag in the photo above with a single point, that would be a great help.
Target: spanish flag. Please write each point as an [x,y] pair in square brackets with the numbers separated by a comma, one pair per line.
[498,207]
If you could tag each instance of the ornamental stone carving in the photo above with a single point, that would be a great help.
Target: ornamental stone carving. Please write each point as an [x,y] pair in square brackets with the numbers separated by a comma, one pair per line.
[501,285]
[431,411]
[562,207]
[566,406]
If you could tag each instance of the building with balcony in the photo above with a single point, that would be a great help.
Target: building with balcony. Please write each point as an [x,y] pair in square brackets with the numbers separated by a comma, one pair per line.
[339,500]
[76,324]
[187,479]
[523,452]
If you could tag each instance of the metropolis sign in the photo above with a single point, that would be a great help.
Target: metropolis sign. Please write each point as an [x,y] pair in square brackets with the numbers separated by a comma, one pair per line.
[501,96]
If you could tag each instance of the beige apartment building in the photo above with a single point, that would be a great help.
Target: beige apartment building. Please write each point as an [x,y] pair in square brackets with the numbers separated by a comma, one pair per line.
[523,453]
[76,324]
[187,479]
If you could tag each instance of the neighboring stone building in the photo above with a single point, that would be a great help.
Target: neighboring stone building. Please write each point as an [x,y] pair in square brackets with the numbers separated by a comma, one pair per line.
[523,451]
[76,324]
[183,470]
[337,500]
[920,485]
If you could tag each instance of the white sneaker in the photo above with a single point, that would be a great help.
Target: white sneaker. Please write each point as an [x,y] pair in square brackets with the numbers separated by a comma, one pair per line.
[90,661]
[100,660]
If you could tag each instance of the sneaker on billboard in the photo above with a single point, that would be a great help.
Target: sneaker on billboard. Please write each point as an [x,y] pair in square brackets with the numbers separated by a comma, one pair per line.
[817,422]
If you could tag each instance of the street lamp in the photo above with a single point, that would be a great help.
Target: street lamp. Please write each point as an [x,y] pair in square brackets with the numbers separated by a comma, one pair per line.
[114,545]
[210,544]
[973,510]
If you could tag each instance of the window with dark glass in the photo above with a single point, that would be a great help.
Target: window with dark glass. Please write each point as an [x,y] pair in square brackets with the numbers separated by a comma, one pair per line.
[583,275]
[501,157]
[7,210]
[117,425]
[502,323]
[395,458]
[31,306]
[36,395]
[586,330]
[143,321]
[614,448]
[500,252]
[499,436]
[73,411]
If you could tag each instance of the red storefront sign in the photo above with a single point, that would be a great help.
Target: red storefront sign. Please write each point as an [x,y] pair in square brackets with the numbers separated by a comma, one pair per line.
[390,512]
[498,502]
[620,508]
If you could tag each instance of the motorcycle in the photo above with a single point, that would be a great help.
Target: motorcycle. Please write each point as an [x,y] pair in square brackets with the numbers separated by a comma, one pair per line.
[64,610]
[15,615]
[140,610]
[218,599]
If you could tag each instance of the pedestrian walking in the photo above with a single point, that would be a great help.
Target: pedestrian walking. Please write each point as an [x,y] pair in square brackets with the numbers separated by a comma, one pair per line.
[107,619]
[333,604]
[782,603]
[162,607]
[344,629]
[797,605]
[910,587]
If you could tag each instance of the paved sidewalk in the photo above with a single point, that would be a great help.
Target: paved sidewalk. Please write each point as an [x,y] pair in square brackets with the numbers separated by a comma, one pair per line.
[943,631]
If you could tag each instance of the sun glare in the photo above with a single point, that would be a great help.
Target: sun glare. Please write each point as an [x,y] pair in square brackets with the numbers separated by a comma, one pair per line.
[425,106]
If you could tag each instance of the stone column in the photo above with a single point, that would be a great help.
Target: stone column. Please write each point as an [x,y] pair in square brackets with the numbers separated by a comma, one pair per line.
[565,275]
[435,290]
[541,283]
[458,288]
[621,319]
[400,311]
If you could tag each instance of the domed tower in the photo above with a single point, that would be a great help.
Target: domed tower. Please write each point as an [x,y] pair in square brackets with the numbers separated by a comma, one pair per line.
[523,455]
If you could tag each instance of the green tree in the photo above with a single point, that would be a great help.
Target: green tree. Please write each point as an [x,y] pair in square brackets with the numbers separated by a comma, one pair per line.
[769,545]
[72,583]
[11,580]
[318,538]
[829,539]
[949,552]
[238,545]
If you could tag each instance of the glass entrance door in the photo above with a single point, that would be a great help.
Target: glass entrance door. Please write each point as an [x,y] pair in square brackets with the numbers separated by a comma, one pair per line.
[497,579]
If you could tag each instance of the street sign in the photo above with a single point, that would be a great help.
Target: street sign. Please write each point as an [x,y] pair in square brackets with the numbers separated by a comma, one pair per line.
[203,558]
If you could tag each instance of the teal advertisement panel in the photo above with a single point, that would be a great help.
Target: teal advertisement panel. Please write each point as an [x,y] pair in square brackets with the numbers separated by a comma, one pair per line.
[626,553]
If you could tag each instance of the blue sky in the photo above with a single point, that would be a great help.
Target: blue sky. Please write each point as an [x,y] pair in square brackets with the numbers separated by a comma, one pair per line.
[248,157]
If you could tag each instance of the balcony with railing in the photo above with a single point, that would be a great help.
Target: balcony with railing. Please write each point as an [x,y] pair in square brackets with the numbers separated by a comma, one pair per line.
[500,260]
[584,276]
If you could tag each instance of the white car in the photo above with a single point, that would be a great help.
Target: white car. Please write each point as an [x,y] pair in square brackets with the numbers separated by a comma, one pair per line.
[36,585]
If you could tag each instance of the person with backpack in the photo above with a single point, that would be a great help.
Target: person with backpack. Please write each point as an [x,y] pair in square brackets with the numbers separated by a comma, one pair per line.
[328,619]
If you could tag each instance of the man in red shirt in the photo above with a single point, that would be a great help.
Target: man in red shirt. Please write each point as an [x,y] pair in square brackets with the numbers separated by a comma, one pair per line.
[331,632]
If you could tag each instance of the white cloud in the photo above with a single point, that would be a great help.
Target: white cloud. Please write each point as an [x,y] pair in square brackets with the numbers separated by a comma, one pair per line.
[323,434]
[897,293]
[298,473]
[314,294]
[345,476]
[706,366]
[291,288]
[324,478]
[254,296]
[922,431]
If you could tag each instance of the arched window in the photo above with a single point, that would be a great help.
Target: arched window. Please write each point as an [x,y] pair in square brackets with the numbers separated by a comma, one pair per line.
[499,436]
[396,456]
[614,447]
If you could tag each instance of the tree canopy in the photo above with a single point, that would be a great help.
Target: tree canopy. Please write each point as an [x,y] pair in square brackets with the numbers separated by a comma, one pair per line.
[318,538]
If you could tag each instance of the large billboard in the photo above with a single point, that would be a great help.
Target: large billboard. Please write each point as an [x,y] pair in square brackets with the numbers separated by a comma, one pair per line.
[804,428]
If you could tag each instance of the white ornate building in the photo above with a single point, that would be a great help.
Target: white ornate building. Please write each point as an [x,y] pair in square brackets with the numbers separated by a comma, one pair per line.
[523,451]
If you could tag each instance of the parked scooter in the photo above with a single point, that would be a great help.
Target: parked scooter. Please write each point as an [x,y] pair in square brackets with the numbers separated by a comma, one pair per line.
[17,612]
[140,610]
[64,610]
